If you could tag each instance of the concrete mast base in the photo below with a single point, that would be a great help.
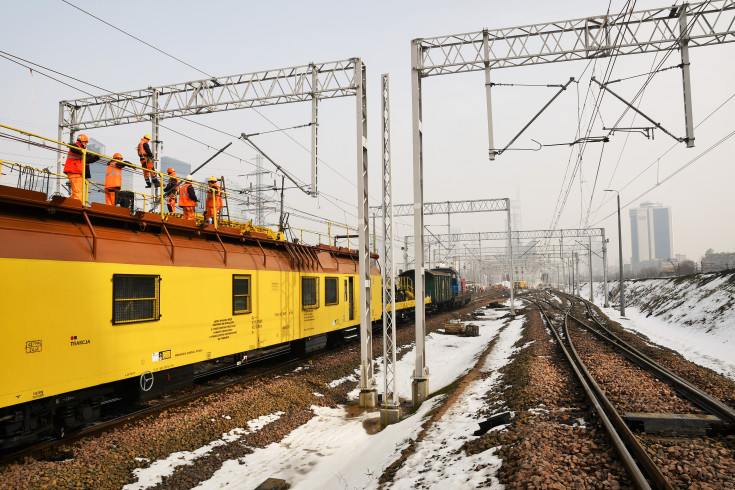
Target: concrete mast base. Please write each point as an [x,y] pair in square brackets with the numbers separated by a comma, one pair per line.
[368,398]
[419,391]
[390,415]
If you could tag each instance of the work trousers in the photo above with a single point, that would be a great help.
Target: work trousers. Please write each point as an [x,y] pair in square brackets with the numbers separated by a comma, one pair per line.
[171,202]
[189,212]
[147,165]
[110,194]
[210,212]
[77,185]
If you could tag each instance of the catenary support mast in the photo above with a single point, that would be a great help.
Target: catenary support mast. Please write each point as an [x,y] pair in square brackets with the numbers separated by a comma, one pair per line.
[391,411]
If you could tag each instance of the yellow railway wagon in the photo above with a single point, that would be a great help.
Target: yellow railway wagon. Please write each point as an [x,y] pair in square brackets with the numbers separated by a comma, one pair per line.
[97,303]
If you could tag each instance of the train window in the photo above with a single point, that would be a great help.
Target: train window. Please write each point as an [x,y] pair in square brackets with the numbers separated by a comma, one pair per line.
[310,293]
[241,295]
[135,298]
[331,294]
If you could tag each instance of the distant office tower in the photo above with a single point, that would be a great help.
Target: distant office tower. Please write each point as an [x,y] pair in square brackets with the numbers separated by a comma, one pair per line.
[650,232]
[182,168]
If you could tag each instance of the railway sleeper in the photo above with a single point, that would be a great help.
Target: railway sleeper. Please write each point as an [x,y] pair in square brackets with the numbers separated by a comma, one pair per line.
[673,424]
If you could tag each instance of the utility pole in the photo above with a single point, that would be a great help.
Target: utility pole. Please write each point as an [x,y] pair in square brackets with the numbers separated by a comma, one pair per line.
[620,256]
[589,244]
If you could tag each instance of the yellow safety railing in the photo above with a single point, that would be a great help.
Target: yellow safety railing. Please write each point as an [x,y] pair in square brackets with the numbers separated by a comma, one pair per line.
[86,183]
[329,235]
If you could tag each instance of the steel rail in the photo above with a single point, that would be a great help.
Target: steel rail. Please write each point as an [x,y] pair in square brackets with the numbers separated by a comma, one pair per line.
[623,439]
[694,394]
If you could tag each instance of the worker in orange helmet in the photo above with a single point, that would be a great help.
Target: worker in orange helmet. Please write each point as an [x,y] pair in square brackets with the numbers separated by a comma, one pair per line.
[146,161]
[214,200]
[188,198]
[73,166]
[113,178]
[171,191]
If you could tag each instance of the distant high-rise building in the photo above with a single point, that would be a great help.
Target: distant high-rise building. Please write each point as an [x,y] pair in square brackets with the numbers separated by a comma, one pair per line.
[650,232]
[98,171]
[182,168]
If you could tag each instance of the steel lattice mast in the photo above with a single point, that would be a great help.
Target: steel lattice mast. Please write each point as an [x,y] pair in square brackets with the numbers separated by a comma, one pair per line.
[391,409]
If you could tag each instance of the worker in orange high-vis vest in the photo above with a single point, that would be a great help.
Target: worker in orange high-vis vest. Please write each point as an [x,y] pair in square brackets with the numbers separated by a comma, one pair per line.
[214,200]
[73,166]
[188,198]
[113,178]
[171,191]
[146,161]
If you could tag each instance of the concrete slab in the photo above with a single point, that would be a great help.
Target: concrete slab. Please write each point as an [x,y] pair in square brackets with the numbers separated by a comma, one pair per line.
[673,423]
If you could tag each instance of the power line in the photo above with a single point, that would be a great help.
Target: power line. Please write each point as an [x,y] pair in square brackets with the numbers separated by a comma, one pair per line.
[670,176]
[657,160]
[9,57]
[211,76]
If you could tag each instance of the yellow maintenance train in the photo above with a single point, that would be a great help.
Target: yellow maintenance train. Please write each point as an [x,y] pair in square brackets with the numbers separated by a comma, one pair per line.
[98,304]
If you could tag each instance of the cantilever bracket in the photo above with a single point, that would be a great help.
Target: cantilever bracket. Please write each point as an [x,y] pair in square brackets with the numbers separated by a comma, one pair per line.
[494,152]
[646,131]
[631,106]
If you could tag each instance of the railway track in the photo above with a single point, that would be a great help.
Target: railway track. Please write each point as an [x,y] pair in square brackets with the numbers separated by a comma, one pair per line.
[53,448]
[619,381]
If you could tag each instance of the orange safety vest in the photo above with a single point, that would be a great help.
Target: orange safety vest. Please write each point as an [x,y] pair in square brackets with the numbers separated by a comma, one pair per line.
[217,193]
[184,199]
[113,177]
[73,163]
[141,152]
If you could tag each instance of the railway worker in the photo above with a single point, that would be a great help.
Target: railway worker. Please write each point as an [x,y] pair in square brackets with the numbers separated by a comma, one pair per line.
[214,200]
[73,166]
[146,161]
[188,198]
[113,178]
[171,190]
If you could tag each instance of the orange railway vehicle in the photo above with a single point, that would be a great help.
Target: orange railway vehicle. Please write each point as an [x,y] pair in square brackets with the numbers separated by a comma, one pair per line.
[98,304]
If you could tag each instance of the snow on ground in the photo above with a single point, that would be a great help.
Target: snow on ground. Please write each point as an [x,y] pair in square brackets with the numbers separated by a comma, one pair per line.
[694,316]
[154,474]
[333,450]
[439,461]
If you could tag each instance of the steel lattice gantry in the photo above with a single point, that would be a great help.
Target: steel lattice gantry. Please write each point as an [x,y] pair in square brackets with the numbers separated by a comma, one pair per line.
[313,82]
[455,207]
[531,234]
[645,31]
[678,27]
[420,385]
[449,207]
[526,234]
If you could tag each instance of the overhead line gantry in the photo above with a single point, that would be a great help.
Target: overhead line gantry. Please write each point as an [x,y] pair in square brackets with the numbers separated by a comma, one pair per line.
[662,29]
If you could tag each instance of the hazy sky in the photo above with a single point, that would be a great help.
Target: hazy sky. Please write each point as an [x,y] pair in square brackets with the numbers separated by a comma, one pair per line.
[225,38]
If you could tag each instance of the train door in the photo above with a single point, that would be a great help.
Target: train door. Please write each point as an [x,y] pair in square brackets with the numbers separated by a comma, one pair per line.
[351,297]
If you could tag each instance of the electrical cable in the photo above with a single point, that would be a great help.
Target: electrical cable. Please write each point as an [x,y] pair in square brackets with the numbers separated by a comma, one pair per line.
[670,176]
[8,56]
[212,77]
